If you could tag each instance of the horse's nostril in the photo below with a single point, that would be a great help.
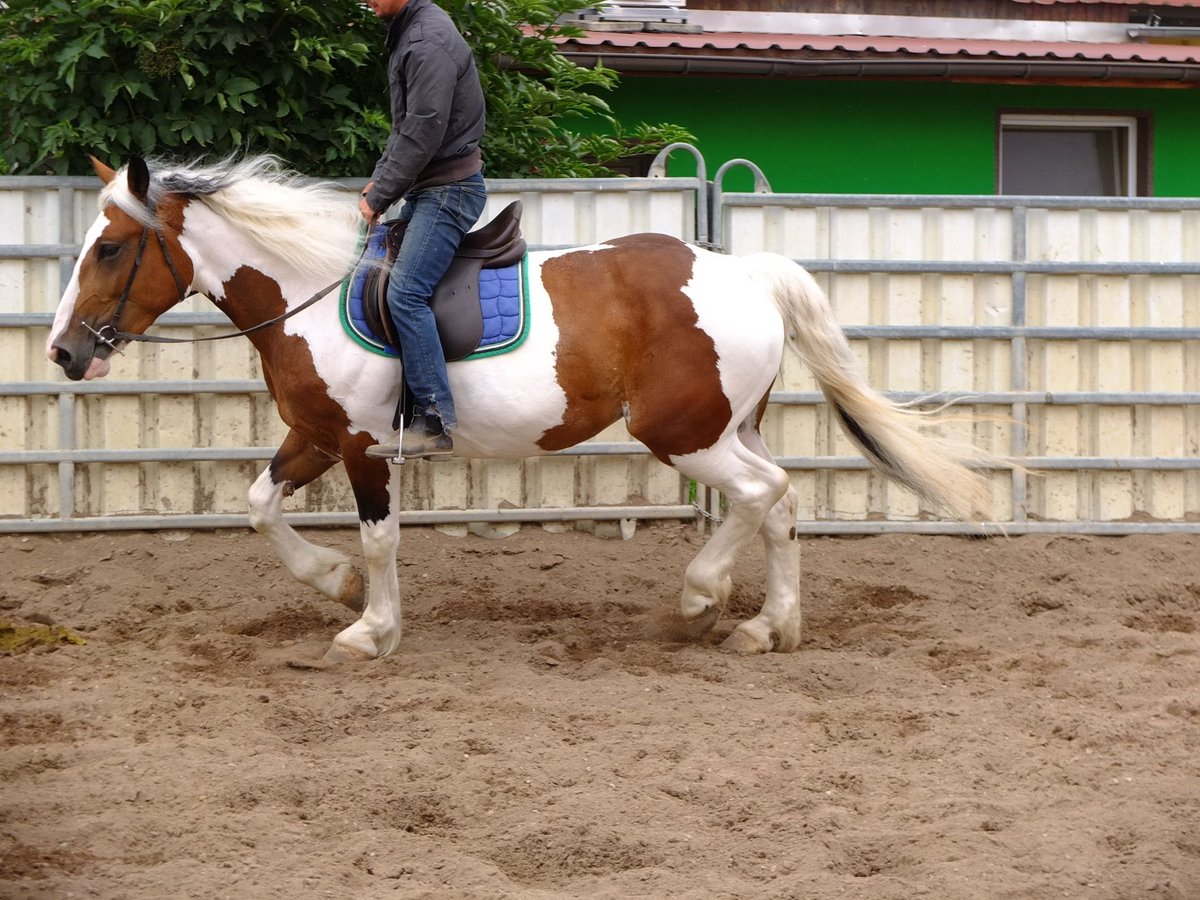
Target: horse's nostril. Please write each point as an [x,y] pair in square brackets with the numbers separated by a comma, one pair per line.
[60,356]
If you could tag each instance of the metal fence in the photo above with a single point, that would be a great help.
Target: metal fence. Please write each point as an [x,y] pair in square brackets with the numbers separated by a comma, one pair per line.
[1074,324]
[1076,321]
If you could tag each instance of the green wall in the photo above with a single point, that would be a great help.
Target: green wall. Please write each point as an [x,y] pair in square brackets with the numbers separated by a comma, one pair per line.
[887,137]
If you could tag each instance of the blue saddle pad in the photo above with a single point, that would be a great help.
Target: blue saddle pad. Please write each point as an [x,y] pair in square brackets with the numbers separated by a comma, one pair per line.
[503,301]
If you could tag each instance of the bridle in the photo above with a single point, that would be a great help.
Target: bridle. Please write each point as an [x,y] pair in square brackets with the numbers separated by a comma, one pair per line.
[110,336]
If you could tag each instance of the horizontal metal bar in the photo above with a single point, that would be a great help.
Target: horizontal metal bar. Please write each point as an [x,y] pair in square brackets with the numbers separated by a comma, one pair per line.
[994,529]
[37,251]
[1005,398]
[595,185]
[827,266]
[779,398]
[244,454]
[143,455]
[495,185]
[60,251]
[1113,463]
[622,448]
[169,320]
[861,332]
[1028,332]
[959,201]
[603,513]
[1034,463]
[202,386]
[996,267]
[48,182]
[406,517]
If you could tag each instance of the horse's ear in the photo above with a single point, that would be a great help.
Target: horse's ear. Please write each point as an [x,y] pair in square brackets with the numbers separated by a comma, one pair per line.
[139,178]
[105,173]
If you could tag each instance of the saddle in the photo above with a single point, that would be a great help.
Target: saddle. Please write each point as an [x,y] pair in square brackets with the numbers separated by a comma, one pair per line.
[455,302]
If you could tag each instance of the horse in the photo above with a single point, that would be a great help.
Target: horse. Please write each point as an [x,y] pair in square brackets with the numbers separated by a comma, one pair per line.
[681,342]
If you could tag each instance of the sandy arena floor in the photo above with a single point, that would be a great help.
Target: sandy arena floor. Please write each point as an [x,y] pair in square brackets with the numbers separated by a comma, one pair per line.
[966,719]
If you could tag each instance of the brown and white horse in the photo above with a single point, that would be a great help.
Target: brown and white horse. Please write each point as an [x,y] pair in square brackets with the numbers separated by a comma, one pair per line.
[682,343]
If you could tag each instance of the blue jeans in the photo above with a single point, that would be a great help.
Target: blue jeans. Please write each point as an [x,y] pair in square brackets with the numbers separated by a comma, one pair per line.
[437,217]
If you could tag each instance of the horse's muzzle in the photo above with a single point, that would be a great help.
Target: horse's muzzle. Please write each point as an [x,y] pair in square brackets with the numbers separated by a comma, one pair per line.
[81,364]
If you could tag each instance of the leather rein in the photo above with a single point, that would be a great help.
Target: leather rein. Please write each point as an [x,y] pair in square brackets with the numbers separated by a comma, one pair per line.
[110,336]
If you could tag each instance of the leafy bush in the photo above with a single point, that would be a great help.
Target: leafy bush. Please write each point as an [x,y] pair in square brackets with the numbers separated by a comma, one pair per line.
[184,77]
[303,80]
[546,117]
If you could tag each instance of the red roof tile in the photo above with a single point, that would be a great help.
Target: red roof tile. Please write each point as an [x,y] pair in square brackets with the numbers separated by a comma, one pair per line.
[1111,2]
[789,44]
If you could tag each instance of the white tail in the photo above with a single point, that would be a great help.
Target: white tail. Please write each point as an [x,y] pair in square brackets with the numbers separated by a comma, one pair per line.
[888,435]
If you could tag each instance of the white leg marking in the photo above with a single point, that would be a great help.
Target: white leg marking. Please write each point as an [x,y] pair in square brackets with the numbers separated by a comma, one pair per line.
[377,633]
[753,488]
[777,625]
[328,571]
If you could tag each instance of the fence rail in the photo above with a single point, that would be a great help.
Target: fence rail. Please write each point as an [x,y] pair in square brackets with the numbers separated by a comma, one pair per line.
[1089,351]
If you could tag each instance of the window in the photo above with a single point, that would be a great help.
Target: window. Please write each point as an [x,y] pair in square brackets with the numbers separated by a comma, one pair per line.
[1073,155]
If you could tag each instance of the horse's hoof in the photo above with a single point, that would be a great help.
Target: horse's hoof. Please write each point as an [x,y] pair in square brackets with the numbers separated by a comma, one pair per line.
[353,591]
[336,655]
[742,643]
[702,624]
[340,653]
[307,665]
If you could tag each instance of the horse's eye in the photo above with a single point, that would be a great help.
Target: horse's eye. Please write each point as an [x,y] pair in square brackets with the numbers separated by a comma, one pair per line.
[108,251]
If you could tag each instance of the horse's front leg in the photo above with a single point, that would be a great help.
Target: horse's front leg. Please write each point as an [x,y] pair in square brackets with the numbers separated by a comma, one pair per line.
[376,486]
[331,572]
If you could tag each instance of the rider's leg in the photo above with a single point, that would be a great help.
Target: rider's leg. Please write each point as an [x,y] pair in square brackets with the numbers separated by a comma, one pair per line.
[438,218]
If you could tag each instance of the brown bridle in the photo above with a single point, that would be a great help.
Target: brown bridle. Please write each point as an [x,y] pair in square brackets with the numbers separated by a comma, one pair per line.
[110,336]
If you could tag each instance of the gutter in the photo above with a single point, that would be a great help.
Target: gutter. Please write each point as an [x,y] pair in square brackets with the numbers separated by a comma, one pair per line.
[700,64]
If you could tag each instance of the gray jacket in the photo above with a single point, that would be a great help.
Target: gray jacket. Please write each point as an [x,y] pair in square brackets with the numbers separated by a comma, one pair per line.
[437,106]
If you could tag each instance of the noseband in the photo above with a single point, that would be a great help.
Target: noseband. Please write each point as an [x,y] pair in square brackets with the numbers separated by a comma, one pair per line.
[110,336]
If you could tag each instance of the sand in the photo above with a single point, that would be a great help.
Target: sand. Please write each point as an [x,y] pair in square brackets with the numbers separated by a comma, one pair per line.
[1006,718]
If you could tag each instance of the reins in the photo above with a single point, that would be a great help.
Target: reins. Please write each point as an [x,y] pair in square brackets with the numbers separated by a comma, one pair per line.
[110,336]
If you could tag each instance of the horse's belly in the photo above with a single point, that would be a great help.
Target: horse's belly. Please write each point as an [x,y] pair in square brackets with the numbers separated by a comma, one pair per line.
[506,403]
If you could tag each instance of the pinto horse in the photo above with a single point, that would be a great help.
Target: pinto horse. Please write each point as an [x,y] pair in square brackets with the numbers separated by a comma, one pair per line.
[682,343]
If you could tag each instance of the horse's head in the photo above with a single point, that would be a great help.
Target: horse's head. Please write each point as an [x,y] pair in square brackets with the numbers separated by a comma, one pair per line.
[131,269]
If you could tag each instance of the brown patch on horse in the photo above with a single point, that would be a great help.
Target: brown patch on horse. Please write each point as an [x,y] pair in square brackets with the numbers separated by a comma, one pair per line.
[301,394]
[320,426]
[630,342]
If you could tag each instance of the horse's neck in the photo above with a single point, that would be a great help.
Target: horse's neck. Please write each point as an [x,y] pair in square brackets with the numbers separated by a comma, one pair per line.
[245,281]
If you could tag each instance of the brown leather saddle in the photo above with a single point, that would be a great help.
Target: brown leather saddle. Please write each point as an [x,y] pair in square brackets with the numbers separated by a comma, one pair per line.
[455,301]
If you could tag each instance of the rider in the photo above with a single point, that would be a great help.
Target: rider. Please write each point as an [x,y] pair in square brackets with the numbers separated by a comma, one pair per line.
[432,161]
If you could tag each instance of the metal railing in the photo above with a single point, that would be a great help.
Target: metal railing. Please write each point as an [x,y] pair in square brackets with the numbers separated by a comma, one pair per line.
[713,205]
[1019,399]
[69,455]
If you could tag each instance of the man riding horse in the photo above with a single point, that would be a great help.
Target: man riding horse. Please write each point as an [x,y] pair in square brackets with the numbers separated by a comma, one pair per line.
[432,161]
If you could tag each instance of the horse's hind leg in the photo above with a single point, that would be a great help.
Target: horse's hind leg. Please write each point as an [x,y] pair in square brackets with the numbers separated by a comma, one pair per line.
[777,625]
[756,489]
[296,463]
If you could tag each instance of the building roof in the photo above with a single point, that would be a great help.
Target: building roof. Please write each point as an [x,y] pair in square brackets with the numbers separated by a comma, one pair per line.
[726,42]
[808,46]
[1111,2]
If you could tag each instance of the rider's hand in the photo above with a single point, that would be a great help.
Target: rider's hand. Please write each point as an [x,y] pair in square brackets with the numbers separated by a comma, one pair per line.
[364,208]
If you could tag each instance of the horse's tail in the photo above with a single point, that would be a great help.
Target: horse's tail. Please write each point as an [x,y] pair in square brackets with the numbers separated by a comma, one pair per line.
[888,435]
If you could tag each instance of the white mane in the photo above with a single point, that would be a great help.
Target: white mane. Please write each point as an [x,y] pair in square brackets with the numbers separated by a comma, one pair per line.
[312,226]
